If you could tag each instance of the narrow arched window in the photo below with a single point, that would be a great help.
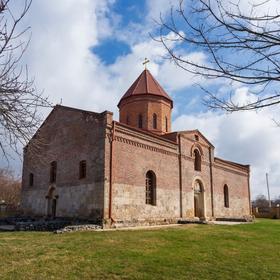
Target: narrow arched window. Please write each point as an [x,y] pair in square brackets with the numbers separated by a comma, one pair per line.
[154,121]
[150,188]
[140,121]
[166,124]
[83,169]
[127,120]
[197,160]
[226,196]
[53,170]
[31,179]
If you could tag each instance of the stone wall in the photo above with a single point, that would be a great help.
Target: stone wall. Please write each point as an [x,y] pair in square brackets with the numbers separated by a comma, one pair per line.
[237,181]
[189,175]
[267,212]
[69,136]
[118,157]
[82,201]
[136,153]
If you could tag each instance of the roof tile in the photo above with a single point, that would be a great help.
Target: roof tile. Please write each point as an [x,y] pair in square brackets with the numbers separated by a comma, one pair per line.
[146,84]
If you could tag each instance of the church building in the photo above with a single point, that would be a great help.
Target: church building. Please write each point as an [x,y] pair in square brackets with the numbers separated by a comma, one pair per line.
[135,171]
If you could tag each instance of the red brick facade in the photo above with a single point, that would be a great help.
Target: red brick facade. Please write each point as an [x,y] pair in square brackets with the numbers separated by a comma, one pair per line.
[146,105]
[188,183]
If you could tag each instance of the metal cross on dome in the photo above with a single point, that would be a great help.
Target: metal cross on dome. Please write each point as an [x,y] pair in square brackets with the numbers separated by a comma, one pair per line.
[146,61]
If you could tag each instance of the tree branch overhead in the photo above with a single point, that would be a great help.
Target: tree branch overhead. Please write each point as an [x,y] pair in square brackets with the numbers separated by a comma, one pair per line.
[241,46]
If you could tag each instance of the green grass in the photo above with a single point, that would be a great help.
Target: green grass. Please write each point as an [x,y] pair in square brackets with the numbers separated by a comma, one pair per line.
[249,251]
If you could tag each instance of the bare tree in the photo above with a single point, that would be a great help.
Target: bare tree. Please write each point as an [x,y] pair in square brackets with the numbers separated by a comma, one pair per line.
[261,201]
[19,100]
[10,188]
[242,45]
[276,201]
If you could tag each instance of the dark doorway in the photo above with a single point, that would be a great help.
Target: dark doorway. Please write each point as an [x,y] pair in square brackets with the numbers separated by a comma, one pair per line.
[196,208]
[53,208]
[51,203]
[198,200]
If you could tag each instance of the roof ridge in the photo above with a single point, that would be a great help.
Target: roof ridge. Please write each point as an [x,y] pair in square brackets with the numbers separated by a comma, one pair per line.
[146,77]
[137,82]
[158,85]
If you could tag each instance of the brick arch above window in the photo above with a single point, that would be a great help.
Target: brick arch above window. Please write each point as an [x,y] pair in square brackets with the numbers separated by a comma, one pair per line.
[200,181]
[194,147]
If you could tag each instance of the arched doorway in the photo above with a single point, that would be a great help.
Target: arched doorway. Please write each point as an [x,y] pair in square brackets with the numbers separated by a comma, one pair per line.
[51,203]
[198,200]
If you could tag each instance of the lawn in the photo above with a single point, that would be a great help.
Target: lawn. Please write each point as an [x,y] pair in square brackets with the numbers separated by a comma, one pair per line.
[249,251]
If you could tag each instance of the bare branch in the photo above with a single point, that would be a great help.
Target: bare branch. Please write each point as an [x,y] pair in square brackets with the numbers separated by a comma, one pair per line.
[242,46]
[19,99]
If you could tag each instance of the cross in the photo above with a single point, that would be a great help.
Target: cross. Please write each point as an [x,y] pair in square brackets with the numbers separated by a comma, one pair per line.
[146,61]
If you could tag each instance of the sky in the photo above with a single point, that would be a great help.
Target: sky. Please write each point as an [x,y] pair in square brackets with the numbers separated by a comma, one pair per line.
[86,55]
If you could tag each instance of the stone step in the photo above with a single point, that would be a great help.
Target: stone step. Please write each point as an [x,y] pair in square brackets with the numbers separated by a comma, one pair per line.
[7,228]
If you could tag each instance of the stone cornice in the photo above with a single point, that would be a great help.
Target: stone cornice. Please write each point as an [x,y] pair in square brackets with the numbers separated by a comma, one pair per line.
[230,170]
[234,165]
[144,146]
[145,97]
[152,138]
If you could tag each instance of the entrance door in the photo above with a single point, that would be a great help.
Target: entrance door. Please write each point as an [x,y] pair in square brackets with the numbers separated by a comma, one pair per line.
[51,203]
[53,208]
[196,206]
[198,200]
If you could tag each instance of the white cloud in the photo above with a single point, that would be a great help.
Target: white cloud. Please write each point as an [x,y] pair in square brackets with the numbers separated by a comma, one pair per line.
[176,78]
[247,137]
[255,7]
[157,8]
[59,58]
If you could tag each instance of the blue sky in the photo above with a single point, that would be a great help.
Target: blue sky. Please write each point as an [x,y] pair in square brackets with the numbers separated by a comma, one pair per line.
[127,12]
[124,16]
[87,55]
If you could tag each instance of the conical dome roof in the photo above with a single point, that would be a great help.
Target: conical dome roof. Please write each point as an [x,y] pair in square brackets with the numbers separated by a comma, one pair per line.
[146,84]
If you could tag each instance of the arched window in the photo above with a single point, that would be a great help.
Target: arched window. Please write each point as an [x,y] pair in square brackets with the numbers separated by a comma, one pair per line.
[226,196]
[198,187]
[197,160]
[154,121]
[127,120]
[140,121]
[150,188]
[31,179]
[166,124]
[83,169]
[53,171]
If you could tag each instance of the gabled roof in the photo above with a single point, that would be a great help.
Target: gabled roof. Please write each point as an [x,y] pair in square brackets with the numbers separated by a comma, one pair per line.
[146,84]
[61,107]
[244,166]
[196,131]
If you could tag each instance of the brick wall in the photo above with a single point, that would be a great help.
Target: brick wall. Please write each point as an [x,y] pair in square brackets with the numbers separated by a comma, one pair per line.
[136,152]
[134,155]
[69,137]
[118,157]
[237,181]
[147,106]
